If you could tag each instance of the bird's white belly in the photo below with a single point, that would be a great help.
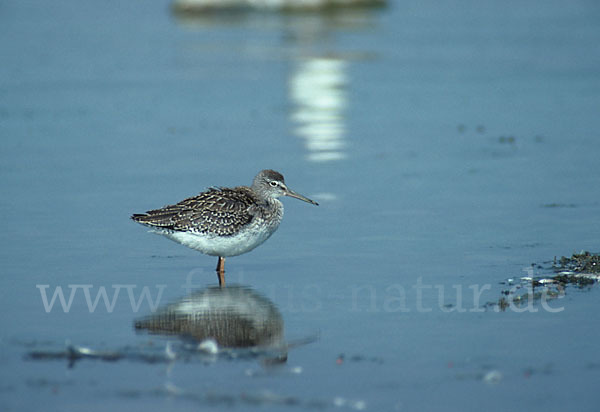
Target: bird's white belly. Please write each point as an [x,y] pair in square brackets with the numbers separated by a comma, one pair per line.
[224,246]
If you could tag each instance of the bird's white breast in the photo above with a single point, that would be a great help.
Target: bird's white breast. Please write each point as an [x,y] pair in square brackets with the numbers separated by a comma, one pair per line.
[243,241]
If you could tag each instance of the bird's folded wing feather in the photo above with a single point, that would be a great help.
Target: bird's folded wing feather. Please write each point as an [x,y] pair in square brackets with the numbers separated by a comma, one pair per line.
[218,211]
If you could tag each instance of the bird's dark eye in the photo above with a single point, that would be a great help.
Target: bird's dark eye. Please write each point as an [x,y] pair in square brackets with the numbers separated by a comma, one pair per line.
[273,183]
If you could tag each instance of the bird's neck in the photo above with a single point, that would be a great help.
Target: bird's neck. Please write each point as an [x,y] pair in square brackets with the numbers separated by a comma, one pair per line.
[274,206]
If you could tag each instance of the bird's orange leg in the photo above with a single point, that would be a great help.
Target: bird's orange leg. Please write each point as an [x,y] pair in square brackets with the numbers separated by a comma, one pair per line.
[221,271]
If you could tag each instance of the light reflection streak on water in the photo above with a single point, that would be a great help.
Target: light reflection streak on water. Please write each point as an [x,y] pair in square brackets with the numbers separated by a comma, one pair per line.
[317,88]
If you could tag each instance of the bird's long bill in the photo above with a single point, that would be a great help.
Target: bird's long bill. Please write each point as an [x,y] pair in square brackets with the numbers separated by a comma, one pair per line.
[293,194]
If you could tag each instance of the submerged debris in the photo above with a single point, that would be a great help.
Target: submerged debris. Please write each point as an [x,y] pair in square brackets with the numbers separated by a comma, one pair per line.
[570,278]
[581,270]
[74,353]
[582,263]
[492,377]
[170,352]
[358,358]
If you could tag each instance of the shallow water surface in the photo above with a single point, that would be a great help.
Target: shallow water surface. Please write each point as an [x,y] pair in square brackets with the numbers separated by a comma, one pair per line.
[450,146]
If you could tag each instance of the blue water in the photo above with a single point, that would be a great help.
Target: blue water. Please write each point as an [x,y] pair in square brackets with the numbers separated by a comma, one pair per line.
[450,146]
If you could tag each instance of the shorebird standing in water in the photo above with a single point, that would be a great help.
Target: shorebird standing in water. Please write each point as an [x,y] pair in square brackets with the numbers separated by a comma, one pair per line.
[224,222]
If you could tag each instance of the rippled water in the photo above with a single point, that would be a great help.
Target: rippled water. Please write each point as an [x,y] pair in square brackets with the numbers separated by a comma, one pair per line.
[450,146]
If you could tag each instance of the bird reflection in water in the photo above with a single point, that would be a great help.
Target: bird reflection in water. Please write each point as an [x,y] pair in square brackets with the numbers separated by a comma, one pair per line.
[233,322]
[233,317]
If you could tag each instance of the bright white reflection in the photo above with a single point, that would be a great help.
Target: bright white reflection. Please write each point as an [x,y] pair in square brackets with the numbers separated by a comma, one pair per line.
[318,91]
[282,5]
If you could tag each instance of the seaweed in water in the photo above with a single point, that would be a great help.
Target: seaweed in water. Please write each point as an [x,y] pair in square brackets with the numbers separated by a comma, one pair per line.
[581,270]
[584,262]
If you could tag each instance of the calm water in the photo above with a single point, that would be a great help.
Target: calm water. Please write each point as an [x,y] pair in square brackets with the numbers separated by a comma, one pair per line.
[449,145]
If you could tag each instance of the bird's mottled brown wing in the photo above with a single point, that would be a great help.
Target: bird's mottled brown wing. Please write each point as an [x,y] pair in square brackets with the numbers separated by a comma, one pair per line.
[221,212]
